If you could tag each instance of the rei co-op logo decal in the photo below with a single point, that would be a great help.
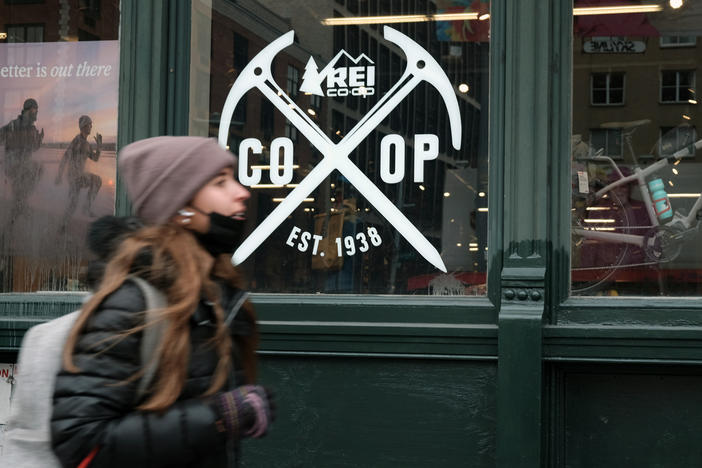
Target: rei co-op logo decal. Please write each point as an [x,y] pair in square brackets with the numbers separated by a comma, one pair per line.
[357,79]
[421,66]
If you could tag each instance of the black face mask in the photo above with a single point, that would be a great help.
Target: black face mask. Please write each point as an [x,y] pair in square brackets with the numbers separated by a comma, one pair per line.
[223,236]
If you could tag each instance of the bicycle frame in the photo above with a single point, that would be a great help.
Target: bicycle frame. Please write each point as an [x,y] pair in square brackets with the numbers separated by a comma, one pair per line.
[639,175]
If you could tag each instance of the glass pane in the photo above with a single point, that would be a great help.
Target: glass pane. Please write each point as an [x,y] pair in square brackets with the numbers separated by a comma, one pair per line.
[599,80]
[616,80]
[637,166]
[386,122]
[58,127]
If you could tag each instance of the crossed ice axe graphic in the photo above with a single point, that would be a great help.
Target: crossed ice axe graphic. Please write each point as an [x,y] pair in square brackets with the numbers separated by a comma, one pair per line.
[421,66]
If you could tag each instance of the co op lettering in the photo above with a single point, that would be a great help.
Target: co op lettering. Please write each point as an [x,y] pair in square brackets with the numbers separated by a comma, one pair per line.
[392,149]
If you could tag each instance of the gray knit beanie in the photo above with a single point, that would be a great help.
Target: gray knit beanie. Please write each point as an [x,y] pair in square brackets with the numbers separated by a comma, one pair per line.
[164,173]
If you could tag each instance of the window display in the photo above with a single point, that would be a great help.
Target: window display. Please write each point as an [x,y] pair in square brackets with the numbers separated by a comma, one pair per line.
[58,127]
[636,165]
[364,142]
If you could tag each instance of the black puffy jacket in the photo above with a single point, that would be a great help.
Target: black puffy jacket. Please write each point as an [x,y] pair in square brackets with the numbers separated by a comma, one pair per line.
[95,407]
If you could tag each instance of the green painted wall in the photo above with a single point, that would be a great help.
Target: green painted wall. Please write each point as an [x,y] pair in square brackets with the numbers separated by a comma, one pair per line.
[375,412]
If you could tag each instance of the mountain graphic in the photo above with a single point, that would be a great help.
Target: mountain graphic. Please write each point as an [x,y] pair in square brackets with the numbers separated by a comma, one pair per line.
[312,80]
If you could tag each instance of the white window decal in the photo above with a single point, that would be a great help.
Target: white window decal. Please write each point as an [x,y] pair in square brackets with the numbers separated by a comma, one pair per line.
[358,79]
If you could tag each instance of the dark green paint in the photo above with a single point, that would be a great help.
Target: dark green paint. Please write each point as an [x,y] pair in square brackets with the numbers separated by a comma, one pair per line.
[378,413]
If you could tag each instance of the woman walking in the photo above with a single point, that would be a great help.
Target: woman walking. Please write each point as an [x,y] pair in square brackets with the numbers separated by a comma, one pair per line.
[202,398]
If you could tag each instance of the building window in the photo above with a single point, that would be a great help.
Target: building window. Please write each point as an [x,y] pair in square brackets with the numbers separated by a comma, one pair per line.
[607,89]
[25,33]
[676,138]
[315,102]
[290,131]
[677,85]
[267,118]
[292,81]
[608,140]
[240,60]
[678,41]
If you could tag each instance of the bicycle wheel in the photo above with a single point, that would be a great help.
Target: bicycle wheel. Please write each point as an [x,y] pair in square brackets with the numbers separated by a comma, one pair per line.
[594,262]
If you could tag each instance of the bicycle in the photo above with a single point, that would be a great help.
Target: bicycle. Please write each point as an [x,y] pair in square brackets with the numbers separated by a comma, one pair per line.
[661,242]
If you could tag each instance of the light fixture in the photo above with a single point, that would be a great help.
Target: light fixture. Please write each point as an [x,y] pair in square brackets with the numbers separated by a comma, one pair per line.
[311,112]
[400,19]
[483,210]
[267,167]
[692,101]
[675,4]
[473,249]
[686,117]
[463,88]
[599,220]
[3,35]
[458,244]
[421,187]
[616,10]
[675,171]
[683,195]
[484,16]
[307,200]
[481,194]
[473,244]
[447,194]
[670,182]
[333,199]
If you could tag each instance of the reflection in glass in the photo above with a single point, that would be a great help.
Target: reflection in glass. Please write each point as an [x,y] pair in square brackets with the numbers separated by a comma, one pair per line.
[636,169]
[337,240]
[58,97]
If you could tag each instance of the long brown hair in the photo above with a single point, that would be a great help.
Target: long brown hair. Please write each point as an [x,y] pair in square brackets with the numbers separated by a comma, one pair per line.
[182,269]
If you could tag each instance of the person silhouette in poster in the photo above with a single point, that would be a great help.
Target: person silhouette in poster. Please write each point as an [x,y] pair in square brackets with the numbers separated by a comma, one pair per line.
[75,157]
[21,138]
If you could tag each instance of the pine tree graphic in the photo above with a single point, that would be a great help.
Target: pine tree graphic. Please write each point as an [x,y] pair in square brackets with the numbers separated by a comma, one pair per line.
[311,81]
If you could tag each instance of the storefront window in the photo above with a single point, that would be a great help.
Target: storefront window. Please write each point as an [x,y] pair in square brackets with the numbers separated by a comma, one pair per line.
[636,153]
[362,132]
[59,72]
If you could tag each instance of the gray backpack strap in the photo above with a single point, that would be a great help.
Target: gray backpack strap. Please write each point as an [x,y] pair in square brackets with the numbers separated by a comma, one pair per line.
[151,337]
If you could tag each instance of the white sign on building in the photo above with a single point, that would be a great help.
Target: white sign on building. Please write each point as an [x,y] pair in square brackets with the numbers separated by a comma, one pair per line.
[613,45]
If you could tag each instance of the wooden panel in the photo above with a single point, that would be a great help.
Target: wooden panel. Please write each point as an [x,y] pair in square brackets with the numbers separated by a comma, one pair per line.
[619,416]
[345,412]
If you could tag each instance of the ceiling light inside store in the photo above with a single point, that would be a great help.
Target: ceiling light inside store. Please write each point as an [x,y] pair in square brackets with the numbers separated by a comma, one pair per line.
[466,16]
[463,88]
[484,16]
[311,112]
[483,210]
[598,220]
[692,101]
[675,3]
[306,200]
[421,187]
[447,194]
[683,195]
[616,10]
[686,117]
[3,35]
[675,171]
[481,194]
